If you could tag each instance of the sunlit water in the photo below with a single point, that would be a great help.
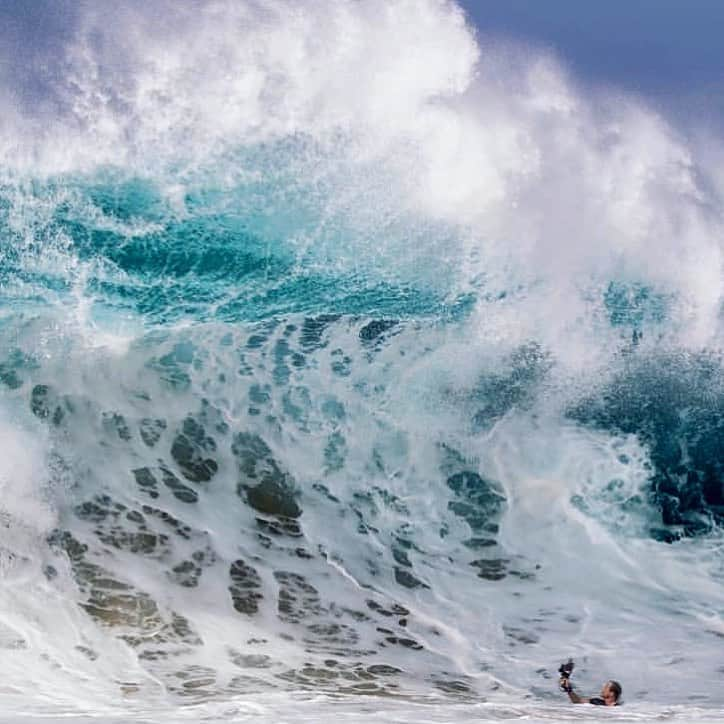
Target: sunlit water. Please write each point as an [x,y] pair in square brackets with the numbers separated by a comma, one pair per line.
[352,368]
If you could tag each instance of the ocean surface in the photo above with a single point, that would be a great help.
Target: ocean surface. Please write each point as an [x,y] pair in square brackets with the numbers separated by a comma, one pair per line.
[354,366]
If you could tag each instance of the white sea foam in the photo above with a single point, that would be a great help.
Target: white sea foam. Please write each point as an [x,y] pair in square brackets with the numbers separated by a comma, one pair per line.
[561,188]
[381,141]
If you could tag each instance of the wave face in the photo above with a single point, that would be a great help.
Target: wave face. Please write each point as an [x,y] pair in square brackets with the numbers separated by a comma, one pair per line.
[343,351]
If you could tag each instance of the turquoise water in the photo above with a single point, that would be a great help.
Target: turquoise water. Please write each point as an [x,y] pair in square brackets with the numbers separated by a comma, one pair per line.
[327,375]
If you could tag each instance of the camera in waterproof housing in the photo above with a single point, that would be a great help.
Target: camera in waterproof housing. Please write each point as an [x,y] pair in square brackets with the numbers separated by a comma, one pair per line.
[565,671]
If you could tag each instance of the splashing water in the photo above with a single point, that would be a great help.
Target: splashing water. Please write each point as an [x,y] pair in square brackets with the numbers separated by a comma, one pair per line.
[350,362]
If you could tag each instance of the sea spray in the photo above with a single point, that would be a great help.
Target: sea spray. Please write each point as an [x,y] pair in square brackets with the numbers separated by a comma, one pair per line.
[344,352]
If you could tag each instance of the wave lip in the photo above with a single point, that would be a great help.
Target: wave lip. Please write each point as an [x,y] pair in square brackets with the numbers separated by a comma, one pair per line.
[345,352]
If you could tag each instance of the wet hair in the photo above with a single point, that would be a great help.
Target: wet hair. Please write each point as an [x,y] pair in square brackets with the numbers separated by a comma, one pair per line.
[615,688]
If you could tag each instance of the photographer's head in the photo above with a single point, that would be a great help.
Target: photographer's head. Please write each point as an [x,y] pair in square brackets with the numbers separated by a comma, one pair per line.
[611,693]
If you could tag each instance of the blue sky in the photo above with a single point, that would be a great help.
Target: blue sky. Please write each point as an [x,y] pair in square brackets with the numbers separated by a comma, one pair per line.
[670,51]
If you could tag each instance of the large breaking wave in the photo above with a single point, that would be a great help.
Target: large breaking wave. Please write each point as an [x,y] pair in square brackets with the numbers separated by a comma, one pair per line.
[346,352]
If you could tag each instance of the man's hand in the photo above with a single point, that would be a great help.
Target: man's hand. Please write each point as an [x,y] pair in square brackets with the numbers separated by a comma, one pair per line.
[566,685]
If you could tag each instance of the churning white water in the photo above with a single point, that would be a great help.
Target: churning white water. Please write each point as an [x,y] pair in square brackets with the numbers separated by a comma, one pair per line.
[352,367]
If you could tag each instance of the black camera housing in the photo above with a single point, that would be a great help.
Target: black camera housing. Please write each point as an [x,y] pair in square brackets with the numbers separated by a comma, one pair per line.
[566,669]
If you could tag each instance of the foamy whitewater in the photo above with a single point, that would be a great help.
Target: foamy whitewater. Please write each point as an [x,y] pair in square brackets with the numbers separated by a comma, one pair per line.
[353,367]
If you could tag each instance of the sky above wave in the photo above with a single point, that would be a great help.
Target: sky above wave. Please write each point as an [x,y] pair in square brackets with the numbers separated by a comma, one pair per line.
[668,51]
